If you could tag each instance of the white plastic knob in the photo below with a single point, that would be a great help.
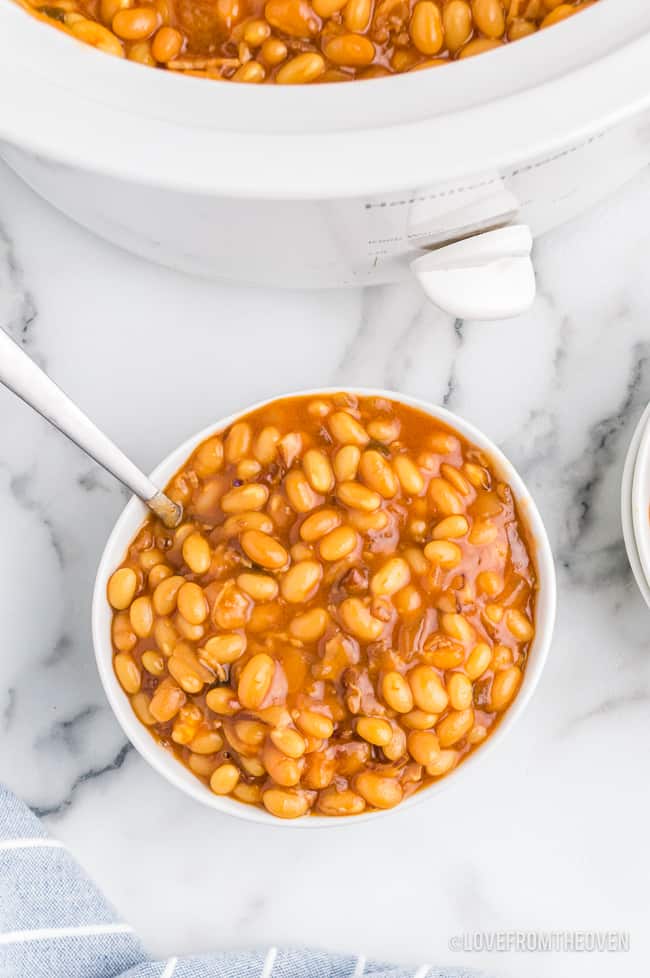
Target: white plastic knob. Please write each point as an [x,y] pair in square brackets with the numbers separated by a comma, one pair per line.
[488,276]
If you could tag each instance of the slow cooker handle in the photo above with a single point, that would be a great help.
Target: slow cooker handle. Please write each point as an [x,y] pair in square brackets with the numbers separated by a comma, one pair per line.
[487,276]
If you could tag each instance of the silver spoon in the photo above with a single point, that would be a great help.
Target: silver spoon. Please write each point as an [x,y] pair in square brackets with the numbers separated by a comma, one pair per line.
[22,376]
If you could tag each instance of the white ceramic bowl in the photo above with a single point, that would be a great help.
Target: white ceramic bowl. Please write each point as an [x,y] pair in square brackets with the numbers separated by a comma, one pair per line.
[162,761]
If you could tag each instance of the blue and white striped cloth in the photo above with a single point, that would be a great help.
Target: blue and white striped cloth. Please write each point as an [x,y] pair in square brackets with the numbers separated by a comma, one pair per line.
[54,923]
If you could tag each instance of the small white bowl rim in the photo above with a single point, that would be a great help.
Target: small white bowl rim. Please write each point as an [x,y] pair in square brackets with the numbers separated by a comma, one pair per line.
[132,517]
[627,507]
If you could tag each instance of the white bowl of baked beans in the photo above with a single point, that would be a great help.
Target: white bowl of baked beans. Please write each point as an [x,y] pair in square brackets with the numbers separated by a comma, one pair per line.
[358,602]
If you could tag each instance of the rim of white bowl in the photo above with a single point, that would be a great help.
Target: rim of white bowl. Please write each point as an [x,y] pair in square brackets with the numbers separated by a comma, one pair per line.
[641,500]
[162,761]
[627,521]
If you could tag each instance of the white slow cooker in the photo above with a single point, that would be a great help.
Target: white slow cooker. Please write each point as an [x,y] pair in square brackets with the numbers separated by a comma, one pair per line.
[338,184]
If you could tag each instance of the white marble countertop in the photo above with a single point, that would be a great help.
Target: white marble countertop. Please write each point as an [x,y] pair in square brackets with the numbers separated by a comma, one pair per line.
[552,832]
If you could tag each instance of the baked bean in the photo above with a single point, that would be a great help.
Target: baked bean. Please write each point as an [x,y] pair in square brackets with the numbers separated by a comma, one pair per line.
[409,475]
[368,522]
[285,804]
[490,583]
[396,746]
[343,427]
[157,574]
[318,470]
[457,23]
[264,549]
[222,700]
[224,779]
[446,655]
[284,770]
[338,544]
[392,577]
[191,603]
[423,746]
[377,790]
[357,619]
[504,686]
[357,496]
[223,649]
[377,474]
[301,582]
[255,681]
[450,528]
[482,533]
[310,626]
[478,46]
[244,499]
[442,763]
[252,72]
[350,49]
[444,553]
[299,492]
[122,586]
[318,620]
[419,720]
[301,70]
[444,498]
[288,741]
[560,12]
[97,36]
[260,587]
[136,23]
[426,28]
[165,595]
[417,561]
[238,442]
[375,730]
[141,616]
[314,724]
[240,522]
[127,672]
[108,9]
[256,32]
[428,692]
[294,17]
[196,553]
[518,625]
[397,692]
[251,794]
[320,523]
[460,691]
[274,51]
[153,662]
[140,704]
[458,627]
[344,802]
[454,727]
[478,660]
[408,601]
[356,17]
[167,44]
[346,463]
[494,613]
[166,701]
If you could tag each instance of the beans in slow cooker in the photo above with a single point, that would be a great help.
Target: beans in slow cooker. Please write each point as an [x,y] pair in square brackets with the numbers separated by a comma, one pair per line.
[343,615]
[292,42]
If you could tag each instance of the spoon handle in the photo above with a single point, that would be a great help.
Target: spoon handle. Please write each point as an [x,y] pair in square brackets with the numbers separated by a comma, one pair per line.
[22,376]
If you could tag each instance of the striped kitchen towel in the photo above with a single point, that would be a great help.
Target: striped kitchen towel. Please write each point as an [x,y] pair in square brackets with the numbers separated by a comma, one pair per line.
[54,923]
